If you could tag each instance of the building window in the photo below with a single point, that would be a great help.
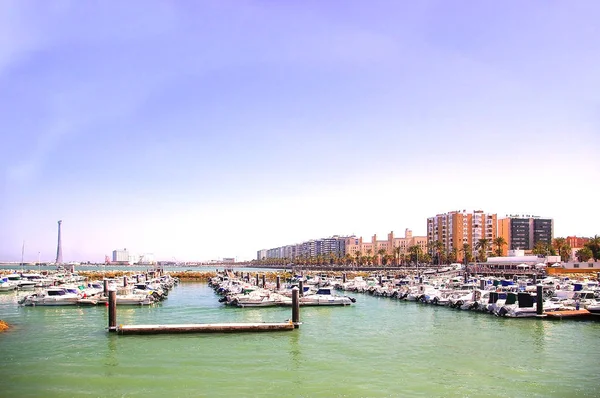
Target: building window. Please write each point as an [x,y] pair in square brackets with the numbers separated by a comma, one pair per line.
[591,265]
[575,265]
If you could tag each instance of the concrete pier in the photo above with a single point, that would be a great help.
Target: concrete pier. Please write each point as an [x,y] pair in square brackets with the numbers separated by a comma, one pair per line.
[204,328]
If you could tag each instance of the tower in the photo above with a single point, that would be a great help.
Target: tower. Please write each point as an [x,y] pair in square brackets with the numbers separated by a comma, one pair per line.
[59,259]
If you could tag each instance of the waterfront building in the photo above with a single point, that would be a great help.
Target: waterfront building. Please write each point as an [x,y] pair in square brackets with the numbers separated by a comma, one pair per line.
[261,254]
[392,246]
[325,249]
[127,258]
[525,231]
[576,244]
[457,228]
[120,256]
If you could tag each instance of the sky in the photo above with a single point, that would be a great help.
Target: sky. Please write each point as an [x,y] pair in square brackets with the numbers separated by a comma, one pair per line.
[197,130]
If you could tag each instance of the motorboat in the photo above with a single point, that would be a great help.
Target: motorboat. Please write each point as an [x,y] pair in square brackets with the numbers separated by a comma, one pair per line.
[269,300]
[22,283]
[325,296]
[6,285]
[51,297]
[130,299]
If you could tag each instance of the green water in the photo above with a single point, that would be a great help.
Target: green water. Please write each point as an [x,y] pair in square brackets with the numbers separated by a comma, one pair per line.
[379,347]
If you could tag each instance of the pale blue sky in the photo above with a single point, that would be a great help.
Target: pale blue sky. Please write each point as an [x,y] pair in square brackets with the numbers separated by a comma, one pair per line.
[205,129]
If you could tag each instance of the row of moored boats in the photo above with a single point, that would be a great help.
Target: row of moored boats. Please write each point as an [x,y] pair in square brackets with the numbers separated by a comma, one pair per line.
[63,289]
[241,293]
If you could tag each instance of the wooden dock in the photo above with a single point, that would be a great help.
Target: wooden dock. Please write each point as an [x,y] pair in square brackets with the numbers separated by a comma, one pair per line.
[568,314]
[204,328]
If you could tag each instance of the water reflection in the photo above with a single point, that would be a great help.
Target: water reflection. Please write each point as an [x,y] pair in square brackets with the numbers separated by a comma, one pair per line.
[539,332]
[111,360]
[294,350]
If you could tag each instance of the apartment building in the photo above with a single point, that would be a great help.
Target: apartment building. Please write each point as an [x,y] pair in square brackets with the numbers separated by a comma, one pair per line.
[457,228]
[523,232]
[390,244]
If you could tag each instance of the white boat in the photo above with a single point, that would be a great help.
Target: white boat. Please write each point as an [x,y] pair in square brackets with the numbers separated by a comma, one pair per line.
[6,285]
[130,299]
[325,296]
[51,297]
[23,284]
[270,300]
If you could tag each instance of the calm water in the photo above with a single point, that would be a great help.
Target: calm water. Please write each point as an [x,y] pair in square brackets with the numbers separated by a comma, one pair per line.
[378,348]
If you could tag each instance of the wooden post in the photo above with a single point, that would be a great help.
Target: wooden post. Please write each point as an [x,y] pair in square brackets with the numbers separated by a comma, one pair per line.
[257,279]
[105,287]
[112,311]
[125,281]
[137,278]
[296,306]
[301,286]
[540,300]
[344,277]
[264,282]
[535,279]
[278,282]
[380,283]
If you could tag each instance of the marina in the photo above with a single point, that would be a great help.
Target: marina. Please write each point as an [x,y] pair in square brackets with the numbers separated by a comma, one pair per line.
[376,347]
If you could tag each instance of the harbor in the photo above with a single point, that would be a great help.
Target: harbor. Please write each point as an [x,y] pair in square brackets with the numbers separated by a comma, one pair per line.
[378,346]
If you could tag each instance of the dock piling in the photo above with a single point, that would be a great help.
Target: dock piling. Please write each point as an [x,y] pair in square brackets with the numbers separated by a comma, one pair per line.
[257,279]
[264,281]
[278,282]
[112,311]
[296,306]
[105,287]
[125,281]
[540,300]
[301,287]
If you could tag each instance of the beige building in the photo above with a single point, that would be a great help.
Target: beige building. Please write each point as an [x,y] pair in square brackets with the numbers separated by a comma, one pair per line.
[457,228]
[389,245]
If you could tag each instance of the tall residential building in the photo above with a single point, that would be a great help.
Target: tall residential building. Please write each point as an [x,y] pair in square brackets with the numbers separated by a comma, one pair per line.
[457,228]
[522,232]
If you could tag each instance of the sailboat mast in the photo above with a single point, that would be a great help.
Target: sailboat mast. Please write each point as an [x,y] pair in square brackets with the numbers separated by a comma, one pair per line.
[22,255]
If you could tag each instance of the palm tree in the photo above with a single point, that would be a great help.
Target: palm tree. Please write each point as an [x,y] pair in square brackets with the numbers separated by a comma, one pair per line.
[358,255]
[369,252]
[467,252]
[499,242]
[396,252]
[594,245]
[562,248]
[482,245]
[439,248]
[381,253]
[415,251]
[453,255]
